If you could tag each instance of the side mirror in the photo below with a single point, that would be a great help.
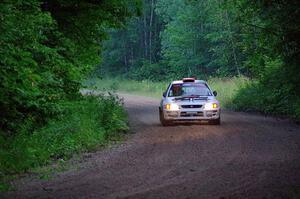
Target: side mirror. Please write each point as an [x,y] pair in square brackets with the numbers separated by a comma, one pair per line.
[215,93]
[164,94]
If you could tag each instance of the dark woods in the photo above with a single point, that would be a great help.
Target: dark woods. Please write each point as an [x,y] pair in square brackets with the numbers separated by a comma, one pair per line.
[208,38]
[215,38]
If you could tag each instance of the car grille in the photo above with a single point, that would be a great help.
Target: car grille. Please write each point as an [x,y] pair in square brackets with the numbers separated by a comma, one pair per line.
[191,114]
[191,106]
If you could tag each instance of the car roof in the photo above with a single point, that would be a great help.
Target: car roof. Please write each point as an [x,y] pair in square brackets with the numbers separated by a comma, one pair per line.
[196,81]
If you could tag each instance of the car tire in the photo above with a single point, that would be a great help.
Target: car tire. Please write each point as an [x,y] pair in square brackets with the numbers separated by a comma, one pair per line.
[215,121]
[162,119]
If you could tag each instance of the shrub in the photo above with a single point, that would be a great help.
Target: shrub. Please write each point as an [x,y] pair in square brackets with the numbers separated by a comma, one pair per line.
[274,94]
[83,125]
[148,71]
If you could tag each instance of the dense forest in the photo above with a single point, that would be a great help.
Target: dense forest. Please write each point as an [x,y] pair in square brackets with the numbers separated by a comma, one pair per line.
[214,38]
[207,38]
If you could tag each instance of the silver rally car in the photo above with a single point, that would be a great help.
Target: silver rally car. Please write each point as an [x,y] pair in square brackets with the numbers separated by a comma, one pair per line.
[189,100]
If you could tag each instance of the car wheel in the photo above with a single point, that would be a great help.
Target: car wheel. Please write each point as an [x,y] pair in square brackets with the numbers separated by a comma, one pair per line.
[215,121]
[162,119]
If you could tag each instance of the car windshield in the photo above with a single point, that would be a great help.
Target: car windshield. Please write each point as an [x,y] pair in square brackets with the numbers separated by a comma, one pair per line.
[189,89]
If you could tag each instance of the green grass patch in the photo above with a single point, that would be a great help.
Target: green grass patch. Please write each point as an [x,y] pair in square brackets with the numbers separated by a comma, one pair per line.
[84,125]
[145,87]
[227,88]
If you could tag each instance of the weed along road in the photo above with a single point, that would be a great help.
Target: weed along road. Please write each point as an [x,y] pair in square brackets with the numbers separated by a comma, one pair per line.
[247,156]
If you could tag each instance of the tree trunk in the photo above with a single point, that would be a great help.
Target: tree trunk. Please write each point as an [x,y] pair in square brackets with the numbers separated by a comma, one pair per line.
[145,31]
[132,53]
[232,44]
[150,31]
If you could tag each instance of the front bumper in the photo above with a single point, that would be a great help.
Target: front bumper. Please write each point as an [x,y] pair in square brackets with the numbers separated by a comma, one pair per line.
[196,114]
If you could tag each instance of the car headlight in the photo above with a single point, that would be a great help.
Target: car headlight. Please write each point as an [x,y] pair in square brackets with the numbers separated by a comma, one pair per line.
[209,106]
[172,107]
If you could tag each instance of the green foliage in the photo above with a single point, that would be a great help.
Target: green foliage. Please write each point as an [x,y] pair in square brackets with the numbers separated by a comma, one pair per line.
[274,94]
[130,49]
[183,45]
[272,46]
[256,97]
[46,48]
[152,72]
[30,78]
[196,38]
[83,125]
[4,187]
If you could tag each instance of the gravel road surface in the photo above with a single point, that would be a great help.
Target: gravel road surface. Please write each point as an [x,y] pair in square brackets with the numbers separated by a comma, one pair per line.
[247,156]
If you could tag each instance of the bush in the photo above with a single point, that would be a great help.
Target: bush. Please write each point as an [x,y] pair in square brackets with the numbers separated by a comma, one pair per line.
[260,98]
[274,94]
[148,71]
[83,125]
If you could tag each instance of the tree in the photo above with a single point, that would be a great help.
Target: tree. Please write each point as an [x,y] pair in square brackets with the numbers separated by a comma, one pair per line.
[135,45]
[46,48]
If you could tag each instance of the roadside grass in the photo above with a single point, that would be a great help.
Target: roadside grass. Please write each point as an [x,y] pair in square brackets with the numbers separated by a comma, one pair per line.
[145,87]
[227,88]
[84,125]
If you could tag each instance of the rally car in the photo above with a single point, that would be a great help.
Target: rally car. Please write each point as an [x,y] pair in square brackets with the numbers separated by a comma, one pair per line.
[189,100]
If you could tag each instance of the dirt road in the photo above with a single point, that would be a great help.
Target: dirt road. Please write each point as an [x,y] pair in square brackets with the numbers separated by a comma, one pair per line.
[247,156]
